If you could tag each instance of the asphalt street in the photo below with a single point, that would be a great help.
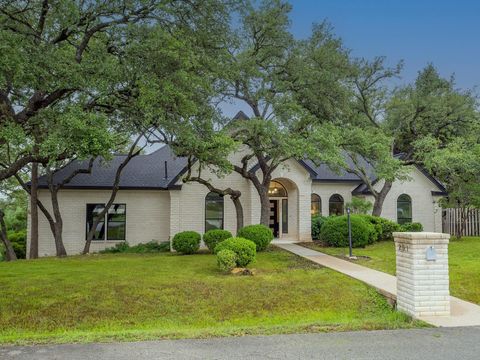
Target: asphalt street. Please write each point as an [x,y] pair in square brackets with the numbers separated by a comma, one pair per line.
[435,344]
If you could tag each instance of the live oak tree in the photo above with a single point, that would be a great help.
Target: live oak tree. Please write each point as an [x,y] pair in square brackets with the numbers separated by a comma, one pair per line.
[429,108]
[179,99]
[366,145]
[65,64]
[457,165]
[266,69]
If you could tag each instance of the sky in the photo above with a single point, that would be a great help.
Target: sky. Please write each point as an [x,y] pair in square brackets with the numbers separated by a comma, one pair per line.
[445,33]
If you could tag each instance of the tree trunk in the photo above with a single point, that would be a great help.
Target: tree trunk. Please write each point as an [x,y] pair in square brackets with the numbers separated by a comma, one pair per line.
[60,248]
[380,198]
[238,210]
[34,213]
[265,206]
[9,253]
[58,225]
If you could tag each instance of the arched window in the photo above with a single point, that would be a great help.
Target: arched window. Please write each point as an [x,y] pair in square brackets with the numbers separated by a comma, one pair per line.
[276,190]
[335,205]
[213,211]
[404,209]
[316,205]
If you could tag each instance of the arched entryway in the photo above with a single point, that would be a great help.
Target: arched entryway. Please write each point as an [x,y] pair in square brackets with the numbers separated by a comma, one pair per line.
[283,208]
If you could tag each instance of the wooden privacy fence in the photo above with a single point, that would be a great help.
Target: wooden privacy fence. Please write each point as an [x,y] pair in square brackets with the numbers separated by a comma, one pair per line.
[461,222]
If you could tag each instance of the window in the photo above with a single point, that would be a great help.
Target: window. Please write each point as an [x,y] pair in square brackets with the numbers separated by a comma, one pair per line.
[115,221]
[335,205]
[316,206]
[285,216]
[276,190]
[213,211]
[92,212]
[404,209]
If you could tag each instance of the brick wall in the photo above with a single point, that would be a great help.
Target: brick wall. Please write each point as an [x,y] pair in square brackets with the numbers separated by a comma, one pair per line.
[422,284]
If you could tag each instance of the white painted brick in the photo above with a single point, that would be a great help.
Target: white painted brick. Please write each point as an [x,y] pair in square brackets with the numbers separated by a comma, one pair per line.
[422,286]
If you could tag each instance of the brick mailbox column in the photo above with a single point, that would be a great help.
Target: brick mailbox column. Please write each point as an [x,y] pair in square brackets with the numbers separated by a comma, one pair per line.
[422,273]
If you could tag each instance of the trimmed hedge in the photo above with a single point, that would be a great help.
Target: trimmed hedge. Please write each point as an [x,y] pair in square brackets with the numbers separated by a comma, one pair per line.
[317,222]
[150,247]
[213,237]
[383,227]
[186,242]
[244,249]
[411,227]
[226,260]
[334,231]
[261,235]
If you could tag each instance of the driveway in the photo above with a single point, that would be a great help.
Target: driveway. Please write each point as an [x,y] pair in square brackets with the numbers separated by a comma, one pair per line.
[438,344]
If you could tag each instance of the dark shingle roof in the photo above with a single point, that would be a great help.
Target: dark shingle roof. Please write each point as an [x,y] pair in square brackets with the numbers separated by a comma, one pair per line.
[148,172]
[142,172]
[324,173]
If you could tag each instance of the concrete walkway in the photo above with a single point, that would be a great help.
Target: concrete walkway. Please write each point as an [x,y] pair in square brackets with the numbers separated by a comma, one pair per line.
[463,313]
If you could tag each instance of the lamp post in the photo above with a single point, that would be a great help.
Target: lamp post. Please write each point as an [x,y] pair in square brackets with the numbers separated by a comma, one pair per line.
[349,233]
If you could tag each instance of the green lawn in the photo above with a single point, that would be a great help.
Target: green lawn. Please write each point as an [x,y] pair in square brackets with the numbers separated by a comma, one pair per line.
[138,297]
[464,261]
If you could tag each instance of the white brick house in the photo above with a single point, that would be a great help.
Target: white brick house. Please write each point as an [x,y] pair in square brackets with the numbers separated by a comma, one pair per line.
[154,204]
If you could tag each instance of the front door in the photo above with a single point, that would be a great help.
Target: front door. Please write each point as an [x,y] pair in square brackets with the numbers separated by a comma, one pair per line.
[274,224]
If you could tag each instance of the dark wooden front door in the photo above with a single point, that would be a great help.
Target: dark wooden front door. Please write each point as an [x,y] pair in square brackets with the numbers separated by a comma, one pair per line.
[274,224]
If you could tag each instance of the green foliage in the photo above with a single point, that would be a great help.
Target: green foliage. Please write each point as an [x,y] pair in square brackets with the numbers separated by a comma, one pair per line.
[19,242]
[383,227]
[334,231]
[411,227]
[436,107]
[244,249]
[317,222]
[213,237]
[150,247]
[359,205]
[260,234]
[226,260]
[186,242]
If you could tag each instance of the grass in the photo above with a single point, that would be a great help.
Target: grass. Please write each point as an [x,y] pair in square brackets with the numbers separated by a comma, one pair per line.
[464,263]
[153,296]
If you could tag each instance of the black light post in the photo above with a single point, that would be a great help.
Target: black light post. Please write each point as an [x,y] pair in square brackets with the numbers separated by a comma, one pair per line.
[349,232]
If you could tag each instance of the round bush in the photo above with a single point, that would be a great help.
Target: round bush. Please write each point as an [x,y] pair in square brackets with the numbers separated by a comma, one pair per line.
[186,242]
[261,235]
[317,222]
[334,231]
[213,237]
[383,227]
[244,249]
[226,260]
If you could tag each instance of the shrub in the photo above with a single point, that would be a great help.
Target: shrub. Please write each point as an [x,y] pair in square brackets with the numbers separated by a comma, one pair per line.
[383,227]
[244,249]
[19,242]
[259,234]
[150,247]
[334,231]
[411,227]
[317,222]
[226,260]
[186,242]
[213,237]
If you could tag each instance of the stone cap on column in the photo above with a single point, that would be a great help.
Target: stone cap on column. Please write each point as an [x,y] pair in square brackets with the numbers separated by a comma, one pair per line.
[421,237]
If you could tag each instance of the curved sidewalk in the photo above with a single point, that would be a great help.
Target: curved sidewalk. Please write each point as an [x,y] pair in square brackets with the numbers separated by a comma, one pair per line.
[463,313]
